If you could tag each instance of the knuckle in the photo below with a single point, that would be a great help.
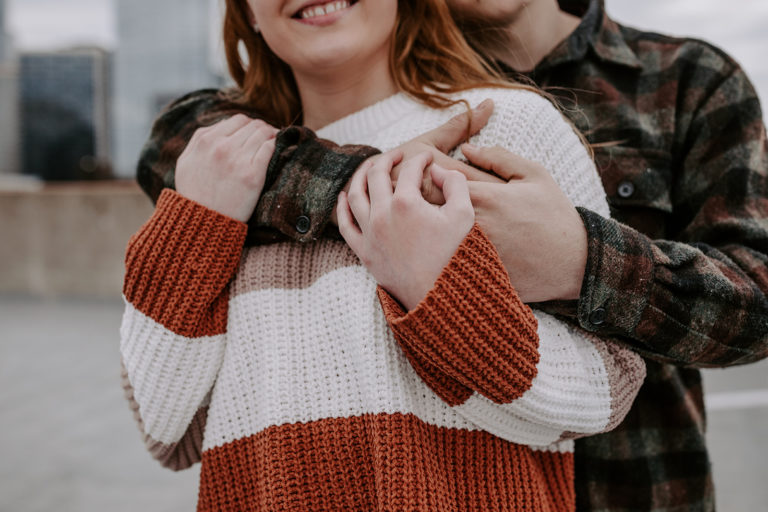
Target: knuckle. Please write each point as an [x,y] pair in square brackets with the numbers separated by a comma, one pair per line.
[365,259]
[201,136]
[378,225]
[264,130]
[220,151]
[401,204]
[354,195]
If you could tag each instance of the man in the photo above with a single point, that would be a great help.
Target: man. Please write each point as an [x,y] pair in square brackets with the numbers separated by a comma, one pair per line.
[680,274]
[680,271]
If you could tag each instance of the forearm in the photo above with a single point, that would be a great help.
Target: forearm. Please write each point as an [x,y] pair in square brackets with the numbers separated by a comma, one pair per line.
[683,303]
[173,332]
[484,353]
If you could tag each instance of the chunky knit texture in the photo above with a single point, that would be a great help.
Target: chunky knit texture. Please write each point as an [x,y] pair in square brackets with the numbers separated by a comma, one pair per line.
[301,386]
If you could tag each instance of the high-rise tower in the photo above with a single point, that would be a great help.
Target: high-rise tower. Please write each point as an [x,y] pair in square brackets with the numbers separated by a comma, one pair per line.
[163,51]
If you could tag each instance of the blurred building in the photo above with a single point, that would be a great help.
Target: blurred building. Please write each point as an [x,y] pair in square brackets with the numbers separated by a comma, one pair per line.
[65,121]
[9,129]
[163,51]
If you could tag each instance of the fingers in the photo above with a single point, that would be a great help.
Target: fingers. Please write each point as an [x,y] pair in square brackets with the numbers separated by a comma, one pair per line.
[260,162]
[501,162]
[357,197]
[456,130]
[454,187]
[347,226]
[229,126]
[255,136]
[379,181]
[409,181]
[467,170]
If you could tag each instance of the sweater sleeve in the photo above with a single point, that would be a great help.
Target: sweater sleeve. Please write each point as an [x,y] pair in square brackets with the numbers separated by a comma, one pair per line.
[173,332]
[476,345]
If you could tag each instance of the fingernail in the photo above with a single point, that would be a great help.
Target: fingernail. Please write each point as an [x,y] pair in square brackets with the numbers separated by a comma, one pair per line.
[485,103]
[469,146]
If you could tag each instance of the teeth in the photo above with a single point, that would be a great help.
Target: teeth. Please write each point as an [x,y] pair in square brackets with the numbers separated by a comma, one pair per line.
[322,10]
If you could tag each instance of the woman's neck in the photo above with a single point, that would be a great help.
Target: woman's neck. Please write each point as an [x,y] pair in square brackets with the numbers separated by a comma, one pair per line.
[529,37]
[333,93]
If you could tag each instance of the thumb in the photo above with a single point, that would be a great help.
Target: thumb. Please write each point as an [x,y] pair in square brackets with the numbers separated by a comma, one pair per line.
[454,187]
[502,163]
[457,130]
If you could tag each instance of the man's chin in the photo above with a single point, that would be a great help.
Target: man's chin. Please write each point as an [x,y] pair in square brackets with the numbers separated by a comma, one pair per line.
[477,17]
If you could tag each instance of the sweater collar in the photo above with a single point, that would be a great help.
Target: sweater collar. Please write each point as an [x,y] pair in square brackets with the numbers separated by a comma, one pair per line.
[369,120]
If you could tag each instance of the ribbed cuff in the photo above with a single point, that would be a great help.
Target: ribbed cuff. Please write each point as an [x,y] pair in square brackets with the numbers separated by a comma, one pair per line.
[180,261]
[472,325]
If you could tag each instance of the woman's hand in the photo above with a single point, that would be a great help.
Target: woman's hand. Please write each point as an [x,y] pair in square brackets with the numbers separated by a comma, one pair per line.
[403,240]
[224,166]
[439,142]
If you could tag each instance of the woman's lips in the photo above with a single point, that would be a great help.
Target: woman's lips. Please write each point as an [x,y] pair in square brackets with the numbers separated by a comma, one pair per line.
[323,13]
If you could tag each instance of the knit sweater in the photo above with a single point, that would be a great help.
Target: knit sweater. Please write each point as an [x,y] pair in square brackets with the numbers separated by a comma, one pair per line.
[302,388]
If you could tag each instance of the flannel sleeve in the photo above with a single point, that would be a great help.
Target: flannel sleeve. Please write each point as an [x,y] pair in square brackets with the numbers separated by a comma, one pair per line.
[698,298]
[303,180]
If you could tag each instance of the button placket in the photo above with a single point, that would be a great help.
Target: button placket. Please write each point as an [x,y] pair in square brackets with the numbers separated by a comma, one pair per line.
[626,189]
[597,316]
[303,224]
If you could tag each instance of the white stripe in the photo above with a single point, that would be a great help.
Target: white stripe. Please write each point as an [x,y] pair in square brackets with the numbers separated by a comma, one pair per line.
[325,351]
[171,374]
[301,355]
[571,391]
[752,399]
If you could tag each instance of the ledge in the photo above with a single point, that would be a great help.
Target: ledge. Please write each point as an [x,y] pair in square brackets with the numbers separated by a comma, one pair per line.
[67,238]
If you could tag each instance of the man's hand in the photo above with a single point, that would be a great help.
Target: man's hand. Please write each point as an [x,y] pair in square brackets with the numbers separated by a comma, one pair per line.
[537,231]
[438,142]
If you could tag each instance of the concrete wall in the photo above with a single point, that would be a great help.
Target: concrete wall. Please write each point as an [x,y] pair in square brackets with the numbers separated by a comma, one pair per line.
[68,239]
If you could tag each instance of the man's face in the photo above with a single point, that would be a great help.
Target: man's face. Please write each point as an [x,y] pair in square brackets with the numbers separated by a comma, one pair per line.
[487,12]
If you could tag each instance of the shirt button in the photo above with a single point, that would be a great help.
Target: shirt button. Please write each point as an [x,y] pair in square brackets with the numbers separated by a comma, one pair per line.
[302,224]
[626,189]
[597,317]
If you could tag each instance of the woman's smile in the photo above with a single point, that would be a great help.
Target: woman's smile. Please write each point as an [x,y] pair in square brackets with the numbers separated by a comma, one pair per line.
[323,13]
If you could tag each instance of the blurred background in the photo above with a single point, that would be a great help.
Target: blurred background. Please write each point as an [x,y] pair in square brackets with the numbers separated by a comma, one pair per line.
[80,83]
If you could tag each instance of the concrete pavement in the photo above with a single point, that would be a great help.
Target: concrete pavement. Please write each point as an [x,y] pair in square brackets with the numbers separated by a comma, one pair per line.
[68,441]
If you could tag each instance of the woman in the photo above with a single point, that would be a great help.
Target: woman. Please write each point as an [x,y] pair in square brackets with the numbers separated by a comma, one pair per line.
[279,362]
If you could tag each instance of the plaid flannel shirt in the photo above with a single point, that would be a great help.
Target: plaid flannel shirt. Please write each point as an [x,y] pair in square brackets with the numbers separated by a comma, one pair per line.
[304,176]
[680,271]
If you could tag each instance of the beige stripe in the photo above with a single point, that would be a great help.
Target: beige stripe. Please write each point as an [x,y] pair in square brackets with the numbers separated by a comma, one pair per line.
[290,266]
[624,368]
[175,456]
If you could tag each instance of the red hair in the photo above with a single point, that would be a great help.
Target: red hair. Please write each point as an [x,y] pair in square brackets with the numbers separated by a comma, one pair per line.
[429,60]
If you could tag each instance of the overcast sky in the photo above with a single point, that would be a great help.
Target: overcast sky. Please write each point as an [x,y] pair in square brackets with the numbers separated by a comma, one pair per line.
[739,26]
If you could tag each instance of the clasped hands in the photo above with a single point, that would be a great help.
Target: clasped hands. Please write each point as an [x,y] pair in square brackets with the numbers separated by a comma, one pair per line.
[405,212]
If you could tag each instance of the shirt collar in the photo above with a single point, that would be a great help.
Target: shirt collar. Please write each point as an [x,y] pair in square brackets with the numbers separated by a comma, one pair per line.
[597,31]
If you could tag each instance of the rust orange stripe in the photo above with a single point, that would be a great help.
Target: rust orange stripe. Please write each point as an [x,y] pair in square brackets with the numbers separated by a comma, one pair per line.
[179,264]
[382,462]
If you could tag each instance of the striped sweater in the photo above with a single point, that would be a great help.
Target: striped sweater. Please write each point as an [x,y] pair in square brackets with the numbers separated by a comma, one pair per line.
[301,386]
